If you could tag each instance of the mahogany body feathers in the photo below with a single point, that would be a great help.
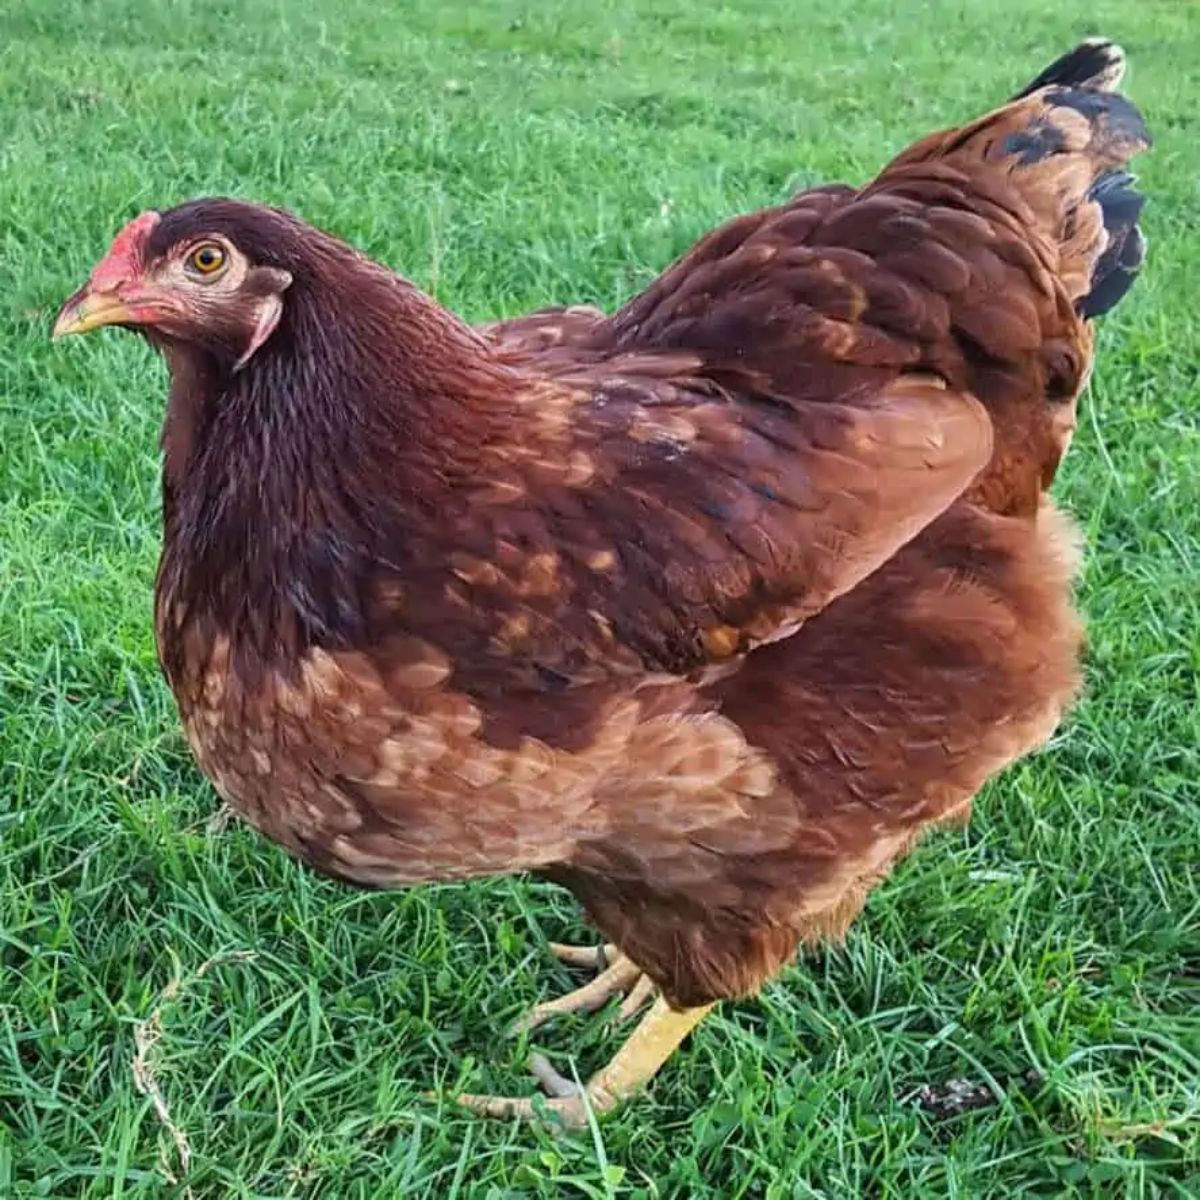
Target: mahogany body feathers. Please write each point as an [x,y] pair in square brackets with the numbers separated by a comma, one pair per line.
[706,609]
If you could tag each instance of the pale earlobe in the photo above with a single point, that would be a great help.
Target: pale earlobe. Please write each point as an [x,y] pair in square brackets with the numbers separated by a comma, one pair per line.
[270,309]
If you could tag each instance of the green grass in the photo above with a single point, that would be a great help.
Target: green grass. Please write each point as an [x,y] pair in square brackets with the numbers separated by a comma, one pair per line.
[506,156]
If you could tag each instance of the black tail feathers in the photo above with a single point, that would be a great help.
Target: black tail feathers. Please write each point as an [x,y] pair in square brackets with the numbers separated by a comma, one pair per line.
[1096,63]
[1118,266]
[1085,79]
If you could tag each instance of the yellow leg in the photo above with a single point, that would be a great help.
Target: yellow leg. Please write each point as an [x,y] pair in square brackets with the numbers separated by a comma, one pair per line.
[648,1047]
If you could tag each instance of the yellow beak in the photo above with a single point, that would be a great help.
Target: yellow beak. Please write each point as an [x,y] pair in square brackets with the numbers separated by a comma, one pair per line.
[87,310]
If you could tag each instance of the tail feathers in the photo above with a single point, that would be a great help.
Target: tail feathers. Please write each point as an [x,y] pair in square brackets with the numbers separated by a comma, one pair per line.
[1084,81]
[1125,251]
[1118,131]
[1075,171]
[1095,63]
[1063,146]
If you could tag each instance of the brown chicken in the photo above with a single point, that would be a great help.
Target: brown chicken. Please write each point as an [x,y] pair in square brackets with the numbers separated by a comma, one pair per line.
[704,610]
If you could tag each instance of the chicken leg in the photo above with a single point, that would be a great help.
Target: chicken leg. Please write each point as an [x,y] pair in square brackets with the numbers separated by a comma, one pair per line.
[648,1047]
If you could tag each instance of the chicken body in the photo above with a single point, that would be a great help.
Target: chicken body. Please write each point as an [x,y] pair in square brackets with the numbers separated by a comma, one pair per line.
[705,610]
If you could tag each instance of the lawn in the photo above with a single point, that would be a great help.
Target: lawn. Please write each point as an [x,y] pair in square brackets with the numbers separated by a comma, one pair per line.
[506,155]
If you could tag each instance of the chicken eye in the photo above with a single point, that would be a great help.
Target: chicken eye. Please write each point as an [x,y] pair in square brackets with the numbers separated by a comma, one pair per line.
[207,259]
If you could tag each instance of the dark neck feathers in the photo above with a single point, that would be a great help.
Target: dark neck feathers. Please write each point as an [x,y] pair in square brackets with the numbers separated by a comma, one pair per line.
[285,484]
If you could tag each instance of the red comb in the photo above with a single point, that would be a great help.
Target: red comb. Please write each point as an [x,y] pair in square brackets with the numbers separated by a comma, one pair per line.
[124,258]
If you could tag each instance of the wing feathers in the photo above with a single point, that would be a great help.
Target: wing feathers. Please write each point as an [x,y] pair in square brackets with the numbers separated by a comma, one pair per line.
[806,389]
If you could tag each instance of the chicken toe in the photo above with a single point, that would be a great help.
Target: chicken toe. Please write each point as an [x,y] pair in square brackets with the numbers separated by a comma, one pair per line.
[595,957]
[620,979]
[638,996]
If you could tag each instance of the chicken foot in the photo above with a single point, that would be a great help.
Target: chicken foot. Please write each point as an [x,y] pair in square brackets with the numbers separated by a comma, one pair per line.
[618,976]
[654,1040]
